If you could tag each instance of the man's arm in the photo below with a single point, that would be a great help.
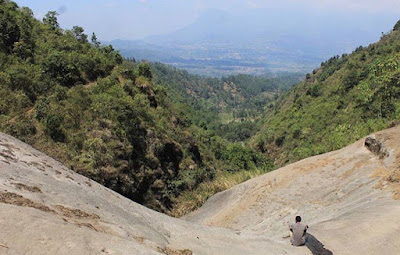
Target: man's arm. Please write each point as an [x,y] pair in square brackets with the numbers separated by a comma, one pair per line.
[305,230]
[290,231]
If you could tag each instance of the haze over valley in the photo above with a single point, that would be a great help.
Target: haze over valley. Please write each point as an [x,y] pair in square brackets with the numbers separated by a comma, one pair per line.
[257,42]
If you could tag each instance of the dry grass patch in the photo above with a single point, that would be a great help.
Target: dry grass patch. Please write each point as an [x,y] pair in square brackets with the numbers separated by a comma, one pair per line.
[22,186]
[170,251]
[76,213]
[193,199]
[15,199]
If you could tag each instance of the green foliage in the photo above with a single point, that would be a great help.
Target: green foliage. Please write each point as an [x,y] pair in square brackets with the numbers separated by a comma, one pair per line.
[42,109]
[119,123]
[350,80]
[62,68]
[314,90]
[53,127]
[239,157]
[78,33]
[23,128]
[347,98]
[228,107]
[9,32]
[144,70]
[94,40]
[50,19]
[397,26]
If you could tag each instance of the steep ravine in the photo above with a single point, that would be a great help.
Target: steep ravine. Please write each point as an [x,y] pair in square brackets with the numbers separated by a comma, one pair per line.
[348,197]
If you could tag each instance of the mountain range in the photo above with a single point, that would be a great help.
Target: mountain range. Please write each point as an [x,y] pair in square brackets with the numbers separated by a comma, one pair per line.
[258,41]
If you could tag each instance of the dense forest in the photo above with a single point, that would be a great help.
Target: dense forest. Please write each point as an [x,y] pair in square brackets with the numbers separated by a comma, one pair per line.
[232,106]
[127,125]
[347,98]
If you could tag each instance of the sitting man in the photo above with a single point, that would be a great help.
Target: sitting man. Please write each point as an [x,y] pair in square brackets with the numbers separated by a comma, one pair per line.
[298,232]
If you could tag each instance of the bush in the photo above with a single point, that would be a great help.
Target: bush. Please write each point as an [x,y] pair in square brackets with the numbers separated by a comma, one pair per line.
[52,124]
[22,128]
[144,70]
[42,108]
[59,66]
[350,80]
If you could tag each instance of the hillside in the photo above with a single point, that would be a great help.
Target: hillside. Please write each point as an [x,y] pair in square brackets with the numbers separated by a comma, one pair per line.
[229,107]
[81,103]
[348,97]
[50,209]
[229,91]
[350,198]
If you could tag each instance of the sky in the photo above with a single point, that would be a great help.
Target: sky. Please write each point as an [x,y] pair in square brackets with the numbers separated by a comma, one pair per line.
[137,19]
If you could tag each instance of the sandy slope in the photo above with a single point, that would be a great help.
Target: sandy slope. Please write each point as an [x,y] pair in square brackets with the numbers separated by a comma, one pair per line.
[46,208]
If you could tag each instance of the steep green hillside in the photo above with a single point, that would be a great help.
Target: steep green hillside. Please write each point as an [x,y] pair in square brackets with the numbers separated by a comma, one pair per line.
[229,106]
[227,93]
[345,99]
[106,118]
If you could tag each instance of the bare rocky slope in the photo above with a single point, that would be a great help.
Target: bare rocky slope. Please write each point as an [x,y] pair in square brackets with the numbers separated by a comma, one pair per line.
[348,197]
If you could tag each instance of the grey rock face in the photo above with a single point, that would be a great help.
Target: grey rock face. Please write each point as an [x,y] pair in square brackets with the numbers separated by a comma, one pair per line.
[345,196]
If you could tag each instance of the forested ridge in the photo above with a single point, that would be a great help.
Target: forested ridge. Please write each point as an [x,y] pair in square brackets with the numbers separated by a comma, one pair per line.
[112,120]
[230,106]
[345,99]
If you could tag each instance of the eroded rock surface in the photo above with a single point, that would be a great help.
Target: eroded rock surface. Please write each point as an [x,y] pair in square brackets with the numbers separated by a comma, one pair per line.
[45,208]
[348,197]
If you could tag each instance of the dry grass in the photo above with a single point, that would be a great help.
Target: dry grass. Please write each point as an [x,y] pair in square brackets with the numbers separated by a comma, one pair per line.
[22,186]
[76,213]
[357,166]
[394,179]
[170,251]
[15,199]
[191,200]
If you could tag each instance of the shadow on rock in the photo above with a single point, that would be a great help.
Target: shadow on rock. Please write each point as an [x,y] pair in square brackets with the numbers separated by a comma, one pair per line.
[315,246]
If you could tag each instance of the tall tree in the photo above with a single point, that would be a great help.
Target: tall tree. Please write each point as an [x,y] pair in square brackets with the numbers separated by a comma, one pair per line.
[94,40]
[144,70]
[9,31]
[50,19]
[78,33]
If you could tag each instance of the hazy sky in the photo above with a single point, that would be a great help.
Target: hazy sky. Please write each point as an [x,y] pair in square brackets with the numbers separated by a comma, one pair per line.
[135,19]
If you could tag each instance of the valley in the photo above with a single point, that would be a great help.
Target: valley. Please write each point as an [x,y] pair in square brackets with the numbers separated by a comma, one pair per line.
[102,152]
[259,41]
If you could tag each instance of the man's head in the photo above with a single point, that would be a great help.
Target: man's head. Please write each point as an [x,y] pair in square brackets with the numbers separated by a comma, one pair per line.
[298,219]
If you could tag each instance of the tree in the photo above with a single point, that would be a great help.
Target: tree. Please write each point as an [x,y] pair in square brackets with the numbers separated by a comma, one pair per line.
[24,48]
[397,26]
[144,70]
[52,126]
[9,31]
[78,33]
[94,40]
[350,79]
[61,67]
[50,19]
